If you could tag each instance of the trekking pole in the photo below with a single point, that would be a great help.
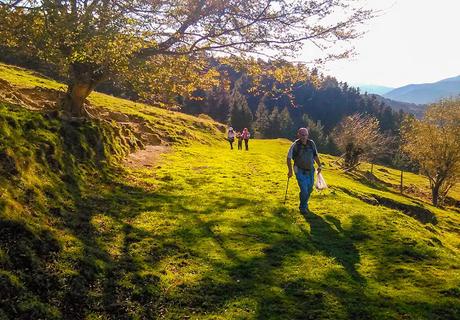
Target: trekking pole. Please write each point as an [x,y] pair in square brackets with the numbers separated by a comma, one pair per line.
[285,195]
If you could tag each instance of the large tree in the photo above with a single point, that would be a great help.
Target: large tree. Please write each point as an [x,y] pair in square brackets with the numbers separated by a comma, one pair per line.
[434,143]
[93,40]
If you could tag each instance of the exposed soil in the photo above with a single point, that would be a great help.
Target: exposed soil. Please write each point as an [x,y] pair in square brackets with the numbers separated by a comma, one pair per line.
[145,158]
[37,99]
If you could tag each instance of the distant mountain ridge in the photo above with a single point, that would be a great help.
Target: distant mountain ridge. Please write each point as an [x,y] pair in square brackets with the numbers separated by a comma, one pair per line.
[374,89]
[425,93]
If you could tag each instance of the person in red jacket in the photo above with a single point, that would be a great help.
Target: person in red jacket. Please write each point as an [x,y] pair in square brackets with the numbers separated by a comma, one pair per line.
[246,135]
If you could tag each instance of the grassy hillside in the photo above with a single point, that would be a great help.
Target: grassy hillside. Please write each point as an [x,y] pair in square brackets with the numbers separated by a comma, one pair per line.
[204,233]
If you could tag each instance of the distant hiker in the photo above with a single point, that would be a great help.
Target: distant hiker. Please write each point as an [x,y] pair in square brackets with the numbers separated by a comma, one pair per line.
[303,152]
[231,137]
[246,135]
[239,137]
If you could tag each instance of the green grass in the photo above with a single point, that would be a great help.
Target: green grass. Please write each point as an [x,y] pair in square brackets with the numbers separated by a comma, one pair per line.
[237,252]
[204,233]
[415,185]
[27,79]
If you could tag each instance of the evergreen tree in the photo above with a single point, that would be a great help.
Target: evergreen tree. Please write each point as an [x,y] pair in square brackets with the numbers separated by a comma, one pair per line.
[324,143]
[322,98]
[194,103]
[218,104]
[315,130]
[287,129]
[240,116]
[274,123]
[262,122]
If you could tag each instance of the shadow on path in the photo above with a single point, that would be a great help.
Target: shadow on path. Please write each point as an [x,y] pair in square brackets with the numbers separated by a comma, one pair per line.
[334,243]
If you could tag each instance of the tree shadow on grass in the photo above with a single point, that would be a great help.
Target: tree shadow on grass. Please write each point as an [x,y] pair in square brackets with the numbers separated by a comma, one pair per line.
[334,243]
[129,285]
[230,285]
[415,211]
[370,180]
[258,277]
[127,288]
[261,279]
[124,284]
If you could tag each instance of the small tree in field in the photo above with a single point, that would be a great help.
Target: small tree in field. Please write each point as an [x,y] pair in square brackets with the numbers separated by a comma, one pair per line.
[359,138]
[434,143]
[157,43]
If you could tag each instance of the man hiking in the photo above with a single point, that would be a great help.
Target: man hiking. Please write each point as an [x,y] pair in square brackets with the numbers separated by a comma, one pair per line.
[303,152]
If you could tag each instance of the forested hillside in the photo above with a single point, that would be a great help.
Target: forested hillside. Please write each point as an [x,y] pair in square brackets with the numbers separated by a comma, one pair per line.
[277,106]
[411,108]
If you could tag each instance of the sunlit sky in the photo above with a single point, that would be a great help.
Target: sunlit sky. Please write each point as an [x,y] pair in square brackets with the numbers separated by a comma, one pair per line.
[412,41]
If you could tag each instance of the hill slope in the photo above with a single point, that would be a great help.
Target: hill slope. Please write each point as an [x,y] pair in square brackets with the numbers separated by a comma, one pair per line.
[426,92]
[203,233]
[416,109]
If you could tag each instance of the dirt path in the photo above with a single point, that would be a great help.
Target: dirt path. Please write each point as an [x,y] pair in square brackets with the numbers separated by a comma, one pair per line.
[145,158]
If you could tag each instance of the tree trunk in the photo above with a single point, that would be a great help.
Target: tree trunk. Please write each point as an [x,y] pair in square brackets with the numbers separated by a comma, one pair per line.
[85,78]
[401,185]
[435,193]
[75,99]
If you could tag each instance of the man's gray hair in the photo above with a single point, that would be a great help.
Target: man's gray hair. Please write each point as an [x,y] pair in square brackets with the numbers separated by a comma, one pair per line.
[301,129]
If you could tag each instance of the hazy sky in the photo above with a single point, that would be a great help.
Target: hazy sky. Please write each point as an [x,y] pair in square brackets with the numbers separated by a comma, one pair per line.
[413,41]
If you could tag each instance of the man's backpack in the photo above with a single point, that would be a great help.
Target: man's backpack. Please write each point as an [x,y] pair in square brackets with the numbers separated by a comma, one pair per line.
[303,154]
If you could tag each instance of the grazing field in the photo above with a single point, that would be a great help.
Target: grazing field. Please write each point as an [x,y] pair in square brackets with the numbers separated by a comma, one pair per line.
[90,231]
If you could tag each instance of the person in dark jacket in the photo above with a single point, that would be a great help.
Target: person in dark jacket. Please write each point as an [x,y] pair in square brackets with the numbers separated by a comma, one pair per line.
[239,137]
[304,154]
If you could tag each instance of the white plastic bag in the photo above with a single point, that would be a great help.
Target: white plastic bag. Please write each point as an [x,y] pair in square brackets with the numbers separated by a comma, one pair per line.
[320,182]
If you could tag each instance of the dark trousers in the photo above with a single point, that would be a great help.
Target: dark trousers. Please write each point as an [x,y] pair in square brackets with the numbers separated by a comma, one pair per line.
[231,143]
[246,143]
[240,144]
